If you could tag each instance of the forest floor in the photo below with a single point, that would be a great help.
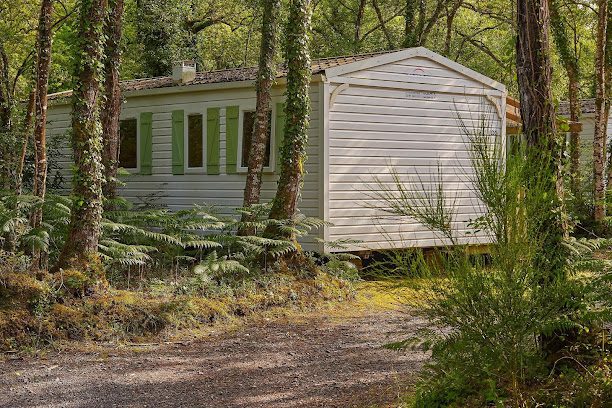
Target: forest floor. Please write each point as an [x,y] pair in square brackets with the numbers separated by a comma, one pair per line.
[329,357]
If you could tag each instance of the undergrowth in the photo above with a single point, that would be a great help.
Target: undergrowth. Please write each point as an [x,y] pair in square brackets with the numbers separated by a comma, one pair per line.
[37,314]
[158,271]
[530,324]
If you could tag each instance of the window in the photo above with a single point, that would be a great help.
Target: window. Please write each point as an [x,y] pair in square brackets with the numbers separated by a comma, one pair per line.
[195,145]
[128,153]
[248,121]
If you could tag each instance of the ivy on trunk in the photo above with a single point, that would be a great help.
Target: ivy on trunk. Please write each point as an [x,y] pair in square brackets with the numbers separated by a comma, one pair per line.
[112,98]
[81,246]
[538,115]
[297,108]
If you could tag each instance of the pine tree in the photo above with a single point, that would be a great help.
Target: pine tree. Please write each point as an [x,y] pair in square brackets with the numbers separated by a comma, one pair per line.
[297,108]
[81,246]
[265,79]
[112,97]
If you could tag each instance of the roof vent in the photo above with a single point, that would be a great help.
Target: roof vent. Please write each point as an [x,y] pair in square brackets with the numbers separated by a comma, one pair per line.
[183,72]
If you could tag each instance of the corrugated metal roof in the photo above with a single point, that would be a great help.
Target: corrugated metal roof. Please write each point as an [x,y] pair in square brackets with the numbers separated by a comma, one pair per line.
[226,75]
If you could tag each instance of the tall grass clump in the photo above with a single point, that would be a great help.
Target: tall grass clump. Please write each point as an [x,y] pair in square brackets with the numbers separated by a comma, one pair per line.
[502,323]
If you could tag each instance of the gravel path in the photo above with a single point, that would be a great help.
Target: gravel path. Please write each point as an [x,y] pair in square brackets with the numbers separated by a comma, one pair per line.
[316,361]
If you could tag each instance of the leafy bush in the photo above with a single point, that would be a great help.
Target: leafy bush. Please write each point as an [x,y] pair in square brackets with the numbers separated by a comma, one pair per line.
[501,324]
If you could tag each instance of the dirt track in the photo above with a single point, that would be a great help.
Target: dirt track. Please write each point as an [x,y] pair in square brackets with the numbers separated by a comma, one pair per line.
[314,361]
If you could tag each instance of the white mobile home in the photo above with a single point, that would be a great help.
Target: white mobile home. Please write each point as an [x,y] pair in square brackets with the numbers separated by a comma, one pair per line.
[587,121]
[185,138]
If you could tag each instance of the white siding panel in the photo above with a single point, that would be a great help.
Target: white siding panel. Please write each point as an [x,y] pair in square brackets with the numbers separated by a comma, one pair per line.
[223,191]
[374,128]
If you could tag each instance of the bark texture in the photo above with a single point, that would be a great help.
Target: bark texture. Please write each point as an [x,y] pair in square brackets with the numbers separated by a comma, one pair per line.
[112,98]
[6,107]
[599,137]
[43,63]
[81,245]
[297,108]
[543,179]
[569,58]
[5,91]
[265,79]
[27,128]
[411,35]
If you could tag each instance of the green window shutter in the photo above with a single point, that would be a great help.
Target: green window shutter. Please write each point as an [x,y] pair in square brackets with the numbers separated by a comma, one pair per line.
[178,142]
[231,138]
[146,143]
[212,141]
[279,132]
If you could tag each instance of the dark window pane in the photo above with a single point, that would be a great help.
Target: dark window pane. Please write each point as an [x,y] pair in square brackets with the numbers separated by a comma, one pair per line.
[128,153]
[248,122]
[194,141]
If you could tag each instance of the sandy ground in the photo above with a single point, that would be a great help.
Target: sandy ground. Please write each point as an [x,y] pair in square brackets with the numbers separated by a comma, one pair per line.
[311,361]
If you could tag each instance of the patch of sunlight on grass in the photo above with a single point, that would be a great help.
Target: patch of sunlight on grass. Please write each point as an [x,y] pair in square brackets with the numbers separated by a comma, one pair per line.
[394,294]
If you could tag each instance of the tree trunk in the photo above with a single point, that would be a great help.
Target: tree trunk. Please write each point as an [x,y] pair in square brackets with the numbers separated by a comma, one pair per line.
[358,24]
[539,126]
[574,142]
[27,127]
[599,137]
[410,28]
[265,79]
[450,18]
[6,109]
[43,64]
[80,249]
[569,59]
[112,99]
[297,108]
[607,87]
[383,25]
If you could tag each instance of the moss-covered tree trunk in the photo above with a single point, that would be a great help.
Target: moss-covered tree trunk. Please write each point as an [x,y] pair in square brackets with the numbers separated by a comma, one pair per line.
[608,86]
[265,79]
[543,180]
[6,109]
[112,98]
[411,25]
[5,91]
[297,108]
[27,128]
[599,137]
[43,64]
[569,58]
[81,246]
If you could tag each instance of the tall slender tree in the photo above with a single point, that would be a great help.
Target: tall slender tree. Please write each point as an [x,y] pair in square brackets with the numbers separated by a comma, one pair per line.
[265,79]
[534,74]
[112,98]
[608,88]
[6,113]
[599,137]
[43,63]
[411,22]
[297,108]
[568,54]
[81,246]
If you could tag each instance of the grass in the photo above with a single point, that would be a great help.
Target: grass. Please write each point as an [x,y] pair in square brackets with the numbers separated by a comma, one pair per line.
[34,315]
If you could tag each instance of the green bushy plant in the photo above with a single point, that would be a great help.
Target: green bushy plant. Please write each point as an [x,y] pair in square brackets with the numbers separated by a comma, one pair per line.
[500,324]
[141,237]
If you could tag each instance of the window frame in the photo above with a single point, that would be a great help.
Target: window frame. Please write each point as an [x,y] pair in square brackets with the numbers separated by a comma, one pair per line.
[251,108]
[131,116]
[189,112]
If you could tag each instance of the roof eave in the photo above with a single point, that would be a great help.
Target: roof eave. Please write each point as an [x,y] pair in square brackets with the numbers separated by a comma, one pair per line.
[179,89]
